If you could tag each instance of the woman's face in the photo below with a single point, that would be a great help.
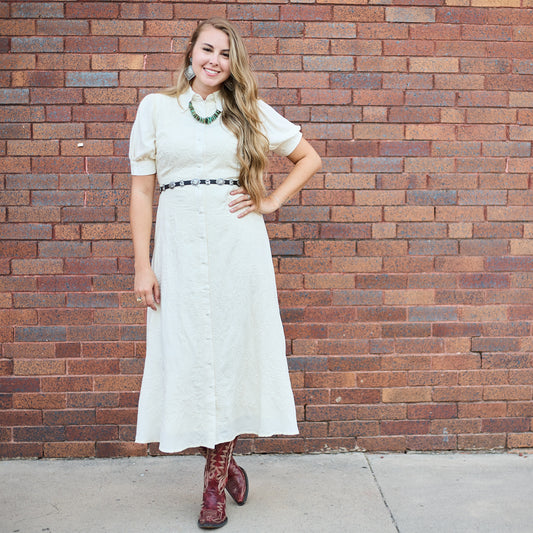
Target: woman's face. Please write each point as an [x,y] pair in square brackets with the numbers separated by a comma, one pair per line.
[210,61]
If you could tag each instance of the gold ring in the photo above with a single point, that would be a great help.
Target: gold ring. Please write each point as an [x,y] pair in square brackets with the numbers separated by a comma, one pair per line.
[139,299]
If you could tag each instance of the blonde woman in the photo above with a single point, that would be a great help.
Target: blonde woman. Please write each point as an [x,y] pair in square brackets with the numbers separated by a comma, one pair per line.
[215,353]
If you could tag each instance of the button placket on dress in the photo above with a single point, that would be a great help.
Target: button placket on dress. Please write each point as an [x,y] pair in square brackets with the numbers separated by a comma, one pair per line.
[202,135]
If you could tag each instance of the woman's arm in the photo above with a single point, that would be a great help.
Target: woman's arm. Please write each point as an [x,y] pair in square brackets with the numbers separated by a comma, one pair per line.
[141,205]
[306,163]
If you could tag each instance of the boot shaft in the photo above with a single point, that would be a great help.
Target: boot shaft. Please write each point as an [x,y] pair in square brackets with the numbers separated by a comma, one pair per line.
[217,465]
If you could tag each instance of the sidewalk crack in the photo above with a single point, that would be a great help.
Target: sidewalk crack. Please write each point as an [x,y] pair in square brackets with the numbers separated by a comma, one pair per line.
[381,493]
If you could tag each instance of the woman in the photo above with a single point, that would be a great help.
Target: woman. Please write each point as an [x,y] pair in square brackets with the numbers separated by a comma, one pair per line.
[215,363]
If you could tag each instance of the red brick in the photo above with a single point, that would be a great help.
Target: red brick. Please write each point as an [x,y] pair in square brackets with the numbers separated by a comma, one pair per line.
[13,164]
[17,27]
[63,61]
[382,443]
[303,12]
[278,445]
[20,417]
[66,384]
[411,427]
[88,10]
[120,449]
[91,45]
[116,416]
[33,214]
[68,417]
[37,266]
[21,449]
[91,432]
[39,434]
[381,248]
[37,79]
[18,61]
[199,11]
[520,440]
[358,14]
[69,449]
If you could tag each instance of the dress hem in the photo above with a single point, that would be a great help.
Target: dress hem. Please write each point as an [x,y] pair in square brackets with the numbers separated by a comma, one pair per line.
[211,445]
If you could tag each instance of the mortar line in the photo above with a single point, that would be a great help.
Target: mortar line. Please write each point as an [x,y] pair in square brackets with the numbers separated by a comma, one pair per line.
[382,494]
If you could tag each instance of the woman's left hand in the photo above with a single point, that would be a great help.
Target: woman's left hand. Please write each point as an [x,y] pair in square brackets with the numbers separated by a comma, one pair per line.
[245,205]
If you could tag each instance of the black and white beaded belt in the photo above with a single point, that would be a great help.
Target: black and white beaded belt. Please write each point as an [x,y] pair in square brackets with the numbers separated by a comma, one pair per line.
[216,181]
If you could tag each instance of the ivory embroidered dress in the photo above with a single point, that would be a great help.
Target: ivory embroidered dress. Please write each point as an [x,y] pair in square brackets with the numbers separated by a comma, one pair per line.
[215,356]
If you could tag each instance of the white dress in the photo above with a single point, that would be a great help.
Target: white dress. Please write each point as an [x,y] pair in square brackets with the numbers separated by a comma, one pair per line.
[215,352]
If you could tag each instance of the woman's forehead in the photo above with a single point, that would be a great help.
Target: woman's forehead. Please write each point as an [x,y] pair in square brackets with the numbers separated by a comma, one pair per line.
[214,37]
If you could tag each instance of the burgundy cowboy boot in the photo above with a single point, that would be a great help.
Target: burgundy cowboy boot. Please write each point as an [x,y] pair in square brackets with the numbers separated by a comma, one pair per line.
[213,512]
[237,485]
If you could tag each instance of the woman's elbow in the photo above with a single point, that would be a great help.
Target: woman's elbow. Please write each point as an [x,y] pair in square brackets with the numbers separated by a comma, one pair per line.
[316,162]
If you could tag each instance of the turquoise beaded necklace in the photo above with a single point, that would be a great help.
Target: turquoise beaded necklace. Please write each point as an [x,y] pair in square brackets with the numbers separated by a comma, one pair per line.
[203,120]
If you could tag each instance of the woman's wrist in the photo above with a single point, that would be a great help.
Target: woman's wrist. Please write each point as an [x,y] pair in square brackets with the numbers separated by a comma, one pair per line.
[140,267]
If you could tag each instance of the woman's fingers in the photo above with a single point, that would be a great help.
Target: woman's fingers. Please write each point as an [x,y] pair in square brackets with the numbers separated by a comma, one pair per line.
[149,299]
[157,293]
[243,201]
[247,211]
[150,296]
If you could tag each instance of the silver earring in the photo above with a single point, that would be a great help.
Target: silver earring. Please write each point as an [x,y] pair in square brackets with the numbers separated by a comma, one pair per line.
[189,72]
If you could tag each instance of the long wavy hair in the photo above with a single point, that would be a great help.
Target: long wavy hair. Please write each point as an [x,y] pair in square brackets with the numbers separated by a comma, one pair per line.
[240,111]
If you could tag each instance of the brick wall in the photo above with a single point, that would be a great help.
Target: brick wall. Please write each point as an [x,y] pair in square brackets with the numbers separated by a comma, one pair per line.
[404,269]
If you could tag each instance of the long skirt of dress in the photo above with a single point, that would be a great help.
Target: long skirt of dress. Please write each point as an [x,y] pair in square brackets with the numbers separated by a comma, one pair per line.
[215,363]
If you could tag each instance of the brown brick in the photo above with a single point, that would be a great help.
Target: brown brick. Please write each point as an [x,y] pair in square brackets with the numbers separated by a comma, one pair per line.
[278,445]
[37,266]
[69,449]
[66,384]
[400,47]
[382,443]
[110,96]
[91,433]
[519,440]
[117,27]
[21,449]
[410,427]
[120,449]
[116,416]
[431,411]
[404,394]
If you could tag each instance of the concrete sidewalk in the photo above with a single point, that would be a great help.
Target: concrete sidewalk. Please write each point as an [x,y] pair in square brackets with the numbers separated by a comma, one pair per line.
[351,492]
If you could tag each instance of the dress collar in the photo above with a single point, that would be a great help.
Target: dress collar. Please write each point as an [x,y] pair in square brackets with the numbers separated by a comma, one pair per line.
[213,100]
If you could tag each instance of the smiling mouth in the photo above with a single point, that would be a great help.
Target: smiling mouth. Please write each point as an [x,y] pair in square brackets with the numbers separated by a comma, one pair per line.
[211,72]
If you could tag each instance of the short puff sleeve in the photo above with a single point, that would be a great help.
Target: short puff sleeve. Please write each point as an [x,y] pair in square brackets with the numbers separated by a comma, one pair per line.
[142,151]
[283,136]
